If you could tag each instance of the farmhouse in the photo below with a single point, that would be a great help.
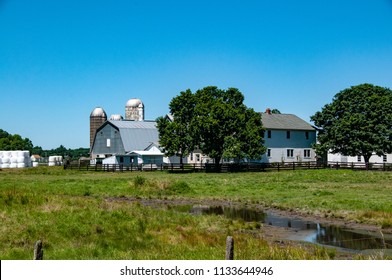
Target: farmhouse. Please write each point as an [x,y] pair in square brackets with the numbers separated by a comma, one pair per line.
[134,140]
[288,138]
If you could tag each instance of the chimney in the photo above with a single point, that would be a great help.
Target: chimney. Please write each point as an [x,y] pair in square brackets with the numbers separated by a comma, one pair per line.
[268,111]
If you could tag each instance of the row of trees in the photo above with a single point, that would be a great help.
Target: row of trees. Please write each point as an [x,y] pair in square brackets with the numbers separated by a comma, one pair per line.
[12,142]
[9,142]
[358,122]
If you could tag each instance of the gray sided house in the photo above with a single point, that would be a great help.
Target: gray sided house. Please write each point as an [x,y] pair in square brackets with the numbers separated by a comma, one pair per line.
[119,137]
[288,138]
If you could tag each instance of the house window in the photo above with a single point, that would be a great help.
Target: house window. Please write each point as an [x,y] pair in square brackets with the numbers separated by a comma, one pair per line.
[290,153]
[288,134]
[197,157]
[269,153]
[359,158]
[121,159]
[269,133]
[108,143]
[306,153]
[384,158]
[307,135]
[191,156]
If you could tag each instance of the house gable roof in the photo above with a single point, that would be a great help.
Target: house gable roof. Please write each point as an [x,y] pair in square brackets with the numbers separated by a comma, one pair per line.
[284,122]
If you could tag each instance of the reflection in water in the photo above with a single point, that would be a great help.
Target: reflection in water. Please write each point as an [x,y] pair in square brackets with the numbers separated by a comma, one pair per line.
[316,233]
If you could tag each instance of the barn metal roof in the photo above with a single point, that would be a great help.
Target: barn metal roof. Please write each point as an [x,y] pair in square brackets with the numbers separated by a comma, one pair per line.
[136,135]
[284,122]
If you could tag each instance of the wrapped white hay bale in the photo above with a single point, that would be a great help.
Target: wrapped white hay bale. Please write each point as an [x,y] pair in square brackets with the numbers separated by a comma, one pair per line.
[14,154]
[13,165]
[13,159]
[20,159]
[35,163]
[6,160]
[6,154]
[1,160]
[5,165]
[21,165]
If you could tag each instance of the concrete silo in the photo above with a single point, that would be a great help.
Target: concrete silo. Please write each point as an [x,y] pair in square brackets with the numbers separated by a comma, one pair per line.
[97,118]
[134,110]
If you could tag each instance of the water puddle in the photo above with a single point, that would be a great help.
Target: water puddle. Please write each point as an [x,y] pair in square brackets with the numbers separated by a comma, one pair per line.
[318,233]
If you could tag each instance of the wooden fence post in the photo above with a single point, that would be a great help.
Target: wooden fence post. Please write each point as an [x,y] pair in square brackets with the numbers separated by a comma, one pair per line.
[229,248]
[38,252]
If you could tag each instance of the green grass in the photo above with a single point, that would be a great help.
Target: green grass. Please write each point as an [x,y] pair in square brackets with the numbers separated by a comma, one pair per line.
[73,212]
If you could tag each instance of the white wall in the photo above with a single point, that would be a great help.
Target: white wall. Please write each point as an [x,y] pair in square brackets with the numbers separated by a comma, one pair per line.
[280,155]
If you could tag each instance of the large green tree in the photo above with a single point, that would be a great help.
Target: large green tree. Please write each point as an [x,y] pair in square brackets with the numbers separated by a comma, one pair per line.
[358,122]
[214,120]
[176,131]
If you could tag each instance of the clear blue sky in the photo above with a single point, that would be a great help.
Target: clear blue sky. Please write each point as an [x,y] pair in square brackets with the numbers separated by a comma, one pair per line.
[61,59]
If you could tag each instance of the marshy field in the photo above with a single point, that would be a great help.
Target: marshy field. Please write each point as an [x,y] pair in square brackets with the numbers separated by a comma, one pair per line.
[158,215]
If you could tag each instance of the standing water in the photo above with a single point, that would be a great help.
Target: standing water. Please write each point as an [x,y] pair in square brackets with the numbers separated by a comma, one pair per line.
[330,235]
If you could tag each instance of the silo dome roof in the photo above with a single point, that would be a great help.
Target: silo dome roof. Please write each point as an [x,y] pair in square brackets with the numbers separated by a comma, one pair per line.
[98,112]
[134,102]
[116,117]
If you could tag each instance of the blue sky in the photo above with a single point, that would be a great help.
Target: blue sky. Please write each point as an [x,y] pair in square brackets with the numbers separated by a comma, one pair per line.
[61,59]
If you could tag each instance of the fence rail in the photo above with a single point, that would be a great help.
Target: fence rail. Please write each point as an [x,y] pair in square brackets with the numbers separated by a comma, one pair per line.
[229,167]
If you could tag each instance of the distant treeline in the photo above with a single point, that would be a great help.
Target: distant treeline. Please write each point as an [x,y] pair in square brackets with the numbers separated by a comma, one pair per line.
[12,142]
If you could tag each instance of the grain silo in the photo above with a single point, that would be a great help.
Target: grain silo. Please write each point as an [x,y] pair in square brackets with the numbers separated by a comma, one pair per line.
[134,110]
[116,117]
[97,118]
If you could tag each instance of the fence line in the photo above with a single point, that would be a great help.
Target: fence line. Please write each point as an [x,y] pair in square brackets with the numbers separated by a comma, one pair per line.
[229,167]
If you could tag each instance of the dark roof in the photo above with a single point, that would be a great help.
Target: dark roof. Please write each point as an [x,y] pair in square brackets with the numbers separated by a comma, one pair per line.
[284,122]
[137,135]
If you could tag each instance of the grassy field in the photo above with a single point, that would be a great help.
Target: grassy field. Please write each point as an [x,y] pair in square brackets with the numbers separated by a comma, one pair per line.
[77,214]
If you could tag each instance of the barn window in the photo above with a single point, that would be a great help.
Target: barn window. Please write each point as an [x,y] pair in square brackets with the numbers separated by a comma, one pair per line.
[269,153]
[269,134]
[306,153]
[307,135]
[290,153]
[108,143]
[288,134]
[384,158]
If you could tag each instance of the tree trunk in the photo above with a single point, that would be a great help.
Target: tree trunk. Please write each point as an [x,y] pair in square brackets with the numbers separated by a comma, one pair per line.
[367,158]
[217,164]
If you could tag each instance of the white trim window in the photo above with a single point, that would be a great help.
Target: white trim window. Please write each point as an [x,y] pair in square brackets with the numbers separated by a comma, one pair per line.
[306,153]
[108,142]
[290,153]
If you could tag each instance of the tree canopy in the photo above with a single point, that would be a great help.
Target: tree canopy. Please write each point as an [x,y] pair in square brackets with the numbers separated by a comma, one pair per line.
[214,120]
[358,122]
[9,142]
